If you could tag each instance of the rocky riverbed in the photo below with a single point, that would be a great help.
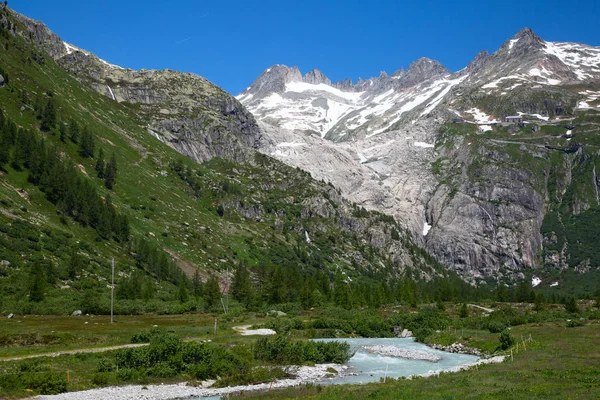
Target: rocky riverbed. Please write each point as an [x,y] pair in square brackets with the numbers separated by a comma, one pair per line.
[395,351]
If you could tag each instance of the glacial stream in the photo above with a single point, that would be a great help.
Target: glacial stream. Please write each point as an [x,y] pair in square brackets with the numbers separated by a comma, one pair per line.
[367,365]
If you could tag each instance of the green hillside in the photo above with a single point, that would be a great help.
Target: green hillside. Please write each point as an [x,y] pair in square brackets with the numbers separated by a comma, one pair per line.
[161,214]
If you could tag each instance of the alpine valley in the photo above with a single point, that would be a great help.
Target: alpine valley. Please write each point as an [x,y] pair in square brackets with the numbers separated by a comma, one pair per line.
[153,225]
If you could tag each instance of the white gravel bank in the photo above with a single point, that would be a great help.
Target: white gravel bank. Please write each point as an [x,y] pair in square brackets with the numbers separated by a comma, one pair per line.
[492,360]
[410,354]
[180,391]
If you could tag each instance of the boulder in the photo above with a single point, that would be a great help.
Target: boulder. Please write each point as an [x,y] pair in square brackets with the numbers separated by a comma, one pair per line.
[406,334]
[276,313]
[76,313]
[11,315]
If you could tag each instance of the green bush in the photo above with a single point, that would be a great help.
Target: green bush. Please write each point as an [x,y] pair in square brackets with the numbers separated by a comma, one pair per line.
[283,351]
[506,340]
[572,323]
[496,326]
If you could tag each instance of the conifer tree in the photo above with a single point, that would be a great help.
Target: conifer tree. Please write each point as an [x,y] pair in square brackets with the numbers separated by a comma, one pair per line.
[62,130]
[241,285]
[212,292]
[100,164]
[48,117]
[73,131]
[110,172]
[197,284]
[37,283]
[183,293]
[86,144]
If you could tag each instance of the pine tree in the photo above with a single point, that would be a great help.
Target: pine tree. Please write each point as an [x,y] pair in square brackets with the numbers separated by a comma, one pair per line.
[197,284]
[76,264]
[37,283]
[100,164]
[212,293]
[241,285]
[341,293]
[73,131]
[86,144]
[62,129]
[48,117]
[464,310]
[110,172]
[571,306]
[183,293]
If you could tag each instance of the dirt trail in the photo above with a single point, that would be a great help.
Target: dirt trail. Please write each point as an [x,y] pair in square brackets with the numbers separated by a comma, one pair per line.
[75,351]
[481,308]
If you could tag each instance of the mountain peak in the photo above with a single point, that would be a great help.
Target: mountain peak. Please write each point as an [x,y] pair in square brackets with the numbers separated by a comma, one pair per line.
[273,80]
[421,70]
[316,77]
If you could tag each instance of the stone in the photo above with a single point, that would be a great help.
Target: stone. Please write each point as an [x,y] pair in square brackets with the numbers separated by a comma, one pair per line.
[10,316]
[76,313]
[276,313]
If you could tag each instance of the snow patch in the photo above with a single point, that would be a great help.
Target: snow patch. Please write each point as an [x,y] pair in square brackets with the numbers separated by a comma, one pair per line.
[426,228]
[361,157]
[423,145]
[307,237]
[511,44]
[535,281]
[554,284]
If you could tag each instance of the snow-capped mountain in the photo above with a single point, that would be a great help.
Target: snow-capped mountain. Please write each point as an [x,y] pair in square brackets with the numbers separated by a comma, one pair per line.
[383,141]
[282,97]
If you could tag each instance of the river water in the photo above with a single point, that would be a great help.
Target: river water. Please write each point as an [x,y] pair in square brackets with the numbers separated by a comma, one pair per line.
[366,366]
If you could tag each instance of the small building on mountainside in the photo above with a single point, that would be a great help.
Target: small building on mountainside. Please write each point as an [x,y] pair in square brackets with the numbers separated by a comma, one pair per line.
[514,119]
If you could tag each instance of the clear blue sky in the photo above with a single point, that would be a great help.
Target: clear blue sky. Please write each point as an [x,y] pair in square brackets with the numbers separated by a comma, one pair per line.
[232,42]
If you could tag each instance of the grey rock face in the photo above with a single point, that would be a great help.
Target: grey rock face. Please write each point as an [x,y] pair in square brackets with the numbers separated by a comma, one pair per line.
[421,70]
[346,85]
[42,37]
[273,80]
[316,77]
[478,62]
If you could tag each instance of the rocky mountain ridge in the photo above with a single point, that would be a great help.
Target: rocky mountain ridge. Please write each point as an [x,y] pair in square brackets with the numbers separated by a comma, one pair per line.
[184,110]
[389,142]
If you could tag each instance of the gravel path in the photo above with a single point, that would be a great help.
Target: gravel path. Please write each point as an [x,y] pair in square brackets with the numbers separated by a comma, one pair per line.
[75,351]
[489,310]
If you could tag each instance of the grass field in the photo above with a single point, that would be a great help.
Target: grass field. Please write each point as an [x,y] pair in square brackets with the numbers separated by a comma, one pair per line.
[560,363]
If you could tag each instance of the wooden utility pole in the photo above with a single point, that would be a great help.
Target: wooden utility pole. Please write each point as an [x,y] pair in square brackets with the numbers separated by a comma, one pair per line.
[112,291]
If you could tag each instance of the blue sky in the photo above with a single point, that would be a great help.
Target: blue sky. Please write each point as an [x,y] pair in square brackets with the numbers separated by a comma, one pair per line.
[232,42]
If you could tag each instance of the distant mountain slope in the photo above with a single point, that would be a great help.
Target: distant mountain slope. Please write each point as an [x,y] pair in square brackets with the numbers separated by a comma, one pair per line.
[184,110]
[433,148]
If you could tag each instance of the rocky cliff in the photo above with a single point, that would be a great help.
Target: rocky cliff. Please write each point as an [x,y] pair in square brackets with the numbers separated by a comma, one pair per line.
[433,149]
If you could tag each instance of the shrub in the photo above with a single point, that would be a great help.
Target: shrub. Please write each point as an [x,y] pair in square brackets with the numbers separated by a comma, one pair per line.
[496,326]
[572,323]
[506,340]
